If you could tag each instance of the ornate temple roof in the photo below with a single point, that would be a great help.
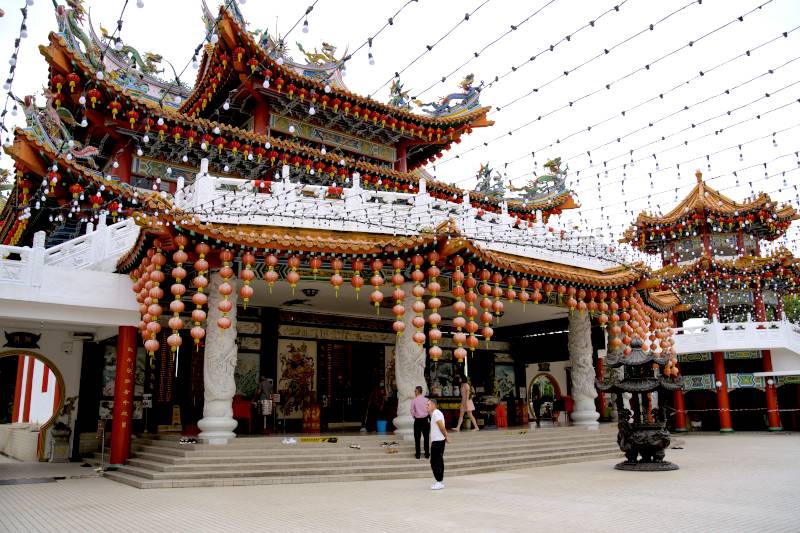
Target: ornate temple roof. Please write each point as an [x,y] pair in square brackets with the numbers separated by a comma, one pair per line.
[703,204]
[63,58]
[234,35]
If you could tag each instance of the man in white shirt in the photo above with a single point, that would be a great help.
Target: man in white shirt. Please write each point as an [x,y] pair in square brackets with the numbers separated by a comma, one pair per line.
[438,439]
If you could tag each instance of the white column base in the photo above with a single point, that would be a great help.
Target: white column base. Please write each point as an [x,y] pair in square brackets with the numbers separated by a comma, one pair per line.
[586,417]
[404,427]
[217,430]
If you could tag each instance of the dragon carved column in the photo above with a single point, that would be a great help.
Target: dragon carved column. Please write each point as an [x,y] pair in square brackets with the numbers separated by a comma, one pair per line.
[409,371]
[219,363]
[579,341]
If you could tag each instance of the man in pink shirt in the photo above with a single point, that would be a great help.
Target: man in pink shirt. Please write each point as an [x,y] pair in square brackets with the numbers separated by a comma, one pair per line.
[419,410]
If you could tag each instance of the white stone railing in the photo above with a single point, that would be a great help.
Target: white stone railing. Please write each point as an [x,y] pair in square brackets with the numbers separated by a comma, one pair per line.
[737,336]
[297,205]
[99,249]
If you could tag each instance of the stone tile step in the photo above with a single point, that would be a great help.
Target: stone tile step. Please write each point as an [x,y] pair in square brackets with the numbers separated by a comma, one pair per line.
[351,455]
[141,483]
[313,448]
[353,461]
[275,440]
[252,472]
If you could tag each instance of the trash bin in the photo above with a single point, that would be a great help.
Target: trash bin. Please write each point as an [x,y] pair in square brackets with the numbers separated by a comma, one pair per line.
[381,426]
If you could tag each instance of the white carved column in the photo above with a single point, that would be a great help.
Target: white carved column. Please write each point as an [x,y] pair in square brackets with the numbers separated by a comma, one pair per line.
[579,341]
[219,363]
[409,368]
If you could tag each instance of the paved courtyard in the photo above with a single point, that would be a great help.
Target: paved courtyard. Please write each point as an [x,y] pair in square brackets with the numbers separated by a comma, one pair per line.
[739,482]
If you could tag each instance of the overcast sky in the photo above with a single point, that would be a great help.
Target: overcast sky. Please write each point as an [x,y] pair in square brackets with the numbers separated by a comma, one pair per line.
[174,28]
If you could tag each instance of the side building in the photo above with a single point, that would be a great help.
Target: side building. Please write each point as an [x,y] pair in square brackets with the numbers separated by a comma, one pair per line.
[739,355]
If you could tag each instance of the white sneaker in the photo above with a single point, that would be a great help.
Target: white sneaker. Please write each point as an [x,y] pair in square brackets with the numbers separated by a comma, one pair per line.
[438,485]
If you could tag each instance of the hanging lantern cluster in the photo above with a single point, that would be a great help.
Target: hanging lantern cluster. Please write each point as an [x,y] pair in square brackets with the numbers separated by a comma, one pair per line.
[247,275]
[376,281]
[293,276]
[418,291]
[434,303]
[225,289]
[398,294]
[486,304]
[336,278]
[357,281]
[472,312]
[178,289]
[199,298]
[157,260]
[497,294]
[270,276]
[459,322]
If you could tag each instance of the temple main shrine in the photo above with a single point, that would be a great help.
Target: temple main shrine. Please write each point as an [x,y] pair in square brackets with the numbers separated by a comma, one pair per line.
[172,244]
[738,354]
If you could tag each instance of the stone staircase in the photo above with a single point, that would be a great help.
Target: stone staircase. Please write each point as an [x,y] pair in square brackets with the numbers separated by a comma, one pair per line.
[162,462]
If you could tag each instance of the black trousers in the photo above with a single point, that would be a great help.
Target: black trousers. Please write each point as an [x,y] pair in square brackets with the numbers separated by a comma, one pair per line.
[422,427]
[437,459]
[536,411]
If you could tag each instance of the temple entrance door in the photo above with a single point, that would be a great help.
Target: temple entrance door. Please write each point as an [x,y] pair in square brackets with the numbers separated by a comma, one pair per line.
[351,370]
[701,408]
[748,409]
[789,404]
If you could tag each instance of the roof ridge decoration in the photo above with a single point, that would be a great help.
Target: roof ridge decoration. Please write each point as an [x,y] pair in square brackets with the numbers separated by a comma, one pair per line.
[536,191]
[467,100]
[279,69]
[145,67]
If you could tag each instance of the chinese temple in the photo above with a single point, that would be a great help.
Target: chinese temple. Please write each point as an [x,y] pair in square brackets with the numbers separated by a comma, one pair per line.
[738,354]
[269,222]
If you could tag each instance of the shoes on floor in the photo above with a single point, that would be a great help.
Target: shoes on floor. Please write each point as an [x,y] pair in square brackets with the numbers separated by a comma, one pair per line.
[355,446]
[427,456]
[417,456]
[437,486]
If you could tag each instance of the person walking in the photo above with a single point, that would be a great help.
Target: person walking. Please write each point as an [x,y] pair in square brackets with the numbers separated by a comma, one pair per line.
[467,405]
[536,402]
[438,439]
[422,426]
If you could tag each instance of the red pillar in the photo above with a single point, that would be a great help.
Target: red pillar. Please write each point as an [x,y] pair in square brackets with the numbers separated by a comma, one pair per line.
[706,243]
[725,425]
[680,411]
[739,243]
[18,390]
[123,155]
[260,117]
[773,416]
[401,164]
[758,304]
[123,395]
[57,398]
[26,407]
[713,304]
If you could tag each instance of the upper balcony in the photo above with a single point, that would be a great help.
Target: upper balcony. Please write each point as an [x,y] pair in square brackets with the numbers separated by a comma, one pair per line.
[738,336]
[284,203]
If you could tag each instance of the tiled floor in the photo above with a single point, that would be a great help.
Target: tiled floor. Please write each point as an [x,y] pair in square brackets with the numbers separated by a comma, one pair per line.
[739,482]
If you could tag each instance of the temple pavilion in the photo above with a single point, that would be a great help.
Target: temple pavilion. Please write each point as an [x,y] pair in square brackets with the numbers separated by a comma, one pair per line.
[738,354]
[269,222]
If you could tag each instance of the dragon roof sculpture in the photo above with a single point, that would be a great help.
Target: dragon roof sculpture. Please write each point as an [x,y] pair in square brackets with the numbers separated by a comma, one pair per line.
[455,103]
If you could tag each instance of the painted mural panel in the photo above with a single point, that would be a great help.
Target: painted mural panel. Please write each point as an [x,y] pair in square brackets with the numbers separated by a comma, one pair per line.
[297,375]
[246,373]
